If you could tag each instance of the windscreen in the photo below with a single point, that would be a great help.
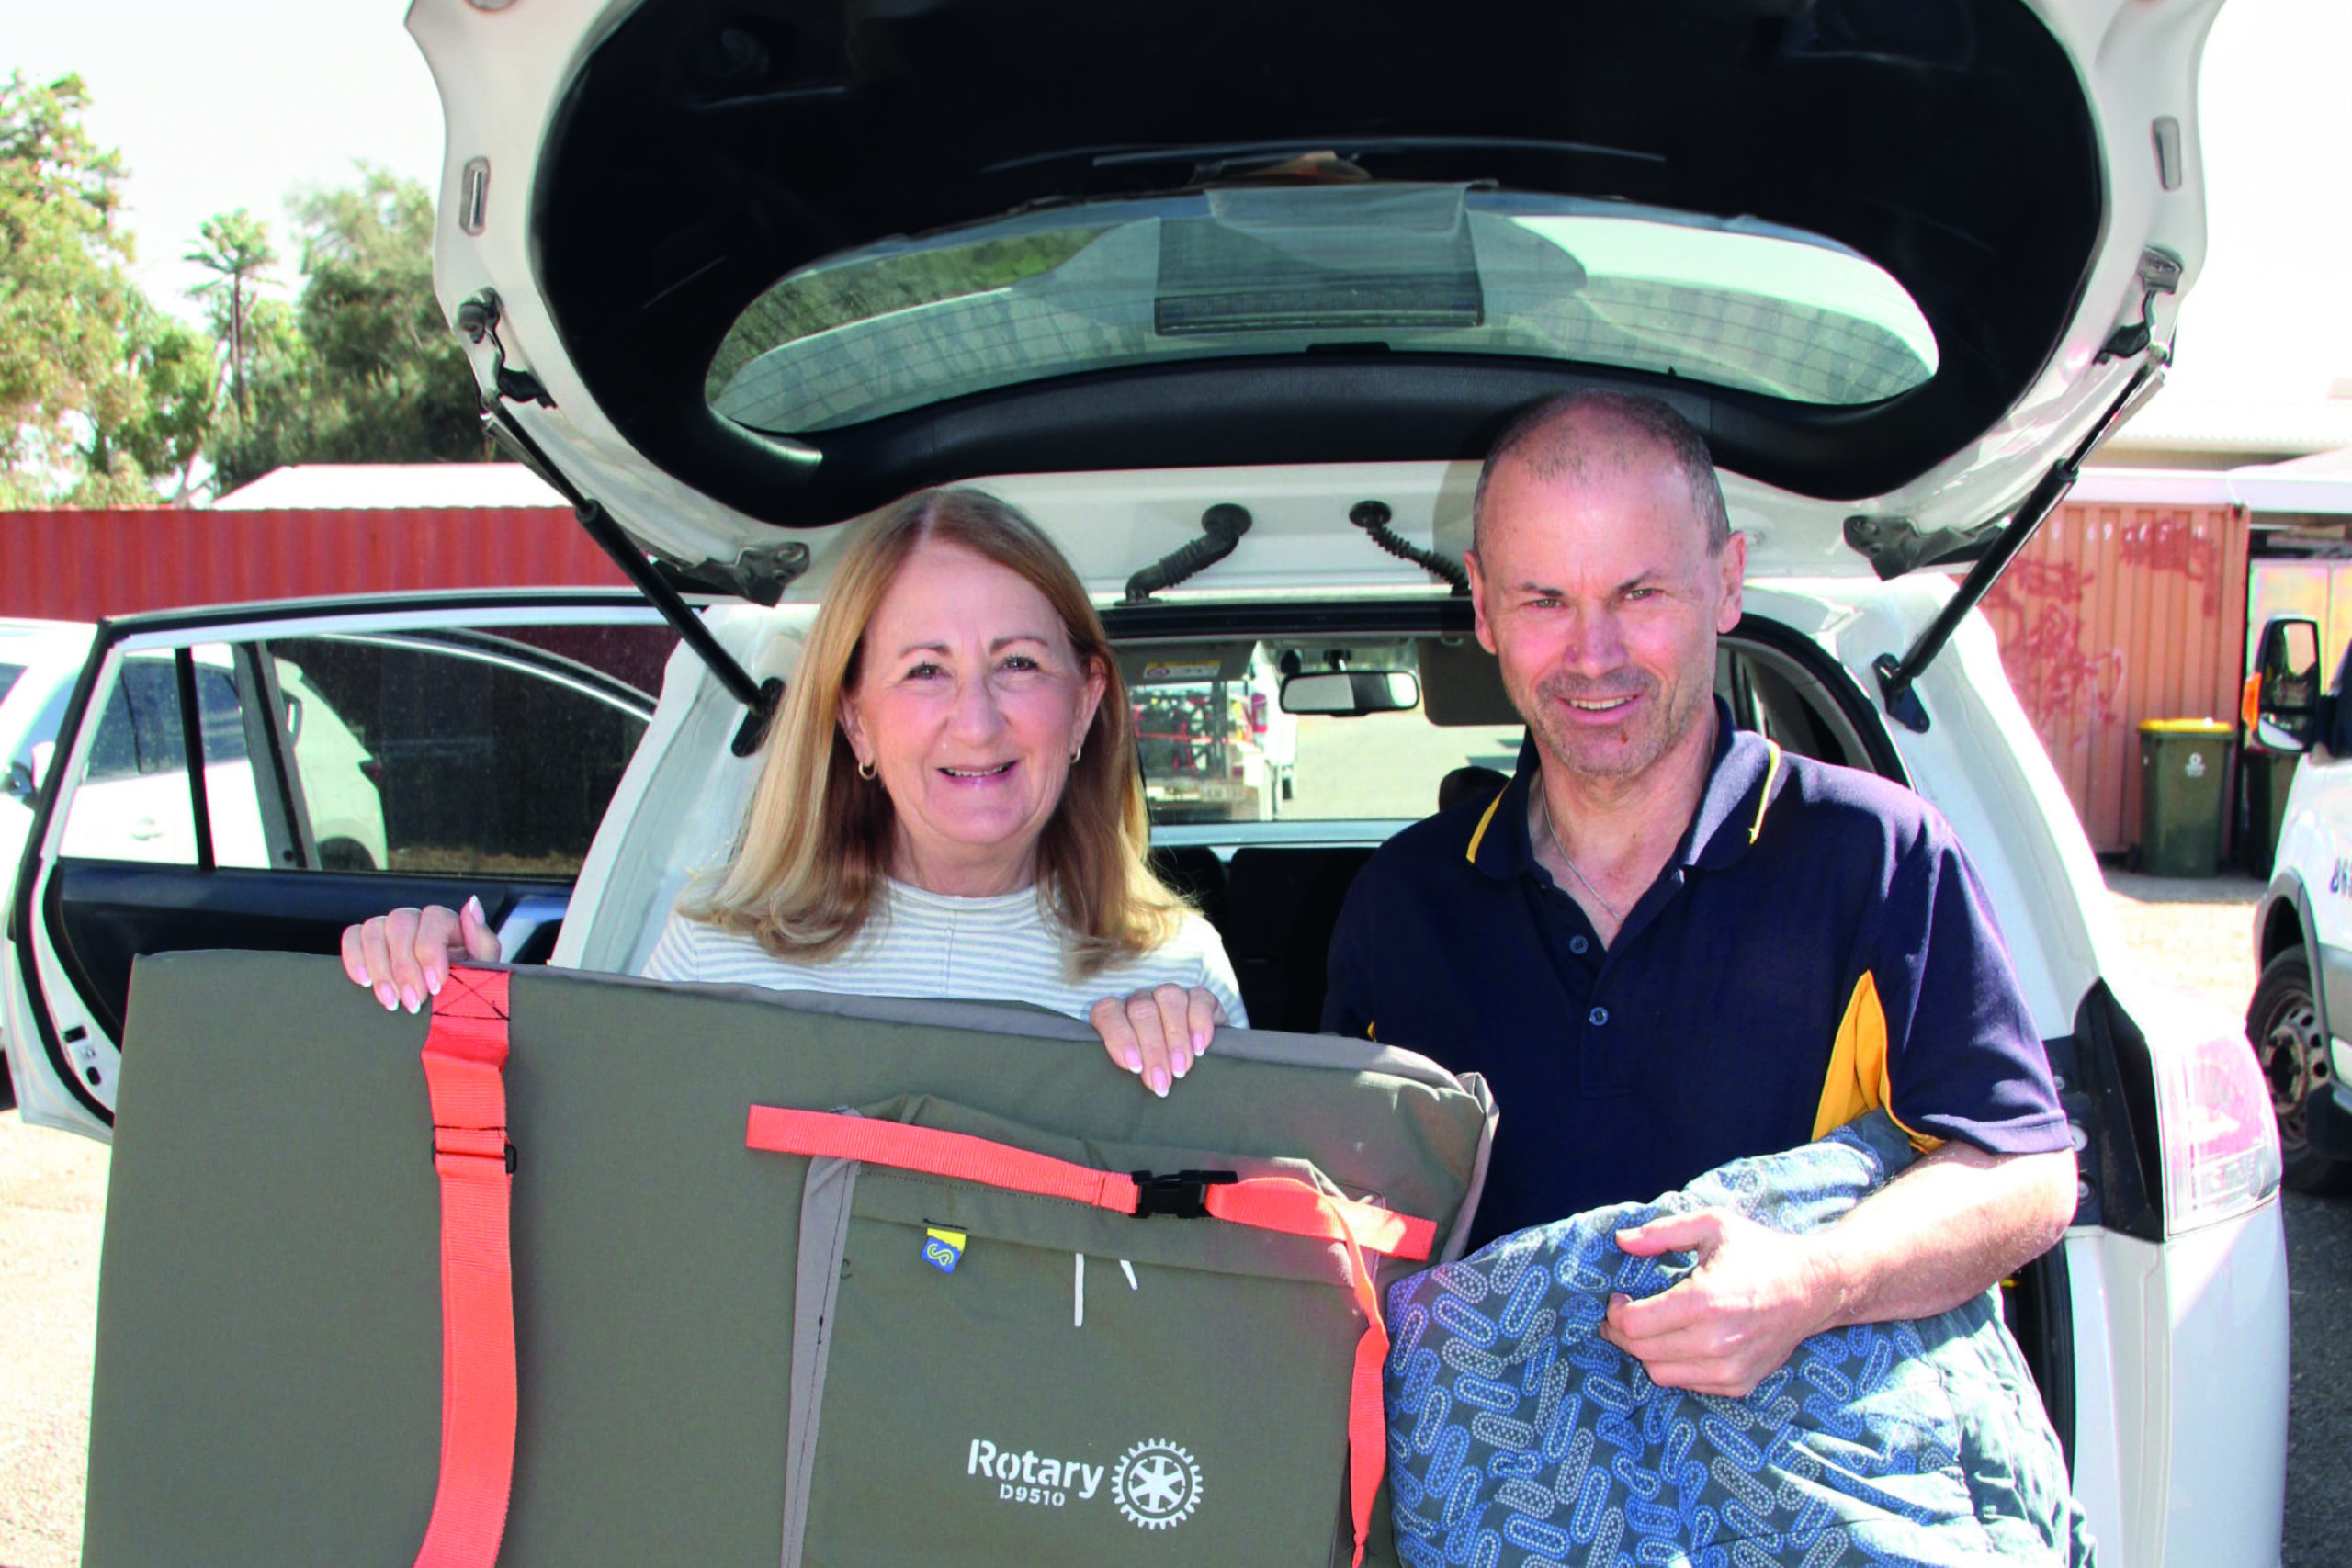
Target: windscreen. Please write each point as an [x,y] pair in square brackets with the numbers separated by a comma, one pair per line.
[1292,269]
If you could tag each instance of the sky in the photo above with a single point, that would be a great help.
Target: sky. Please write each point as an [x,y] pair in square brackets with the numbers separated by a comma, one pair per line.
[239,103]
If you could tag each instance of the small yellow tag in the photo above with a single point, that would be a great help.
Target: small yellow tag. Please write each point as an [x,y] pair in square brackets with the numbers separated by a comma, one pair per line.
[955,1239]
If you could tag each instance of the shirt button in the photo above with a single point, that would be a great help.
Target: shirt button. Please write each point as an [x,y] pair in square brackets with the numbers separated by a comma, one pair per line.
[1598,1017]
[1576,945]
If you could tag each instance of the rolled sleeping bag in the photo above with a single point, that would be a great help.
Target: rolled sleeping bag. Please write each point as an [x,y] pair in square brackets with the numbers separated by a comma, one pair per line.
[1518,1437]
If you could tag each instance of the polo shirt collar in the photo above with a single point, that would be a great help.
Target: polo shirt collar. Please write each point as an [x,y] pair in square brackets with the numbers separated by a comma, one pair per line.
[1746,774]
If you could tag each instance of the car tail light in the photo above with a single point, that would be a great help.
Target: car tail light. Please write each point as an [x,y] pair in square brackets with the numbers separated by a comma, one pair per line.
[2221,1139]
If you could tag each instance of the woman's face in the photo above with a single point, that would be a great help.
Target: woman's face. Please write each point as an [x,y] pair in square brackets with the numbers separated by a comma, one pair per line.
[969,702]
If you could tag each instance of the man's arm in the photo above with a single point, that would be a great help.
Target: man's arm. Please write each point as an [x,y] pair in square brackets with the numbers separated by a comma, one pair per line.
[1943,1231]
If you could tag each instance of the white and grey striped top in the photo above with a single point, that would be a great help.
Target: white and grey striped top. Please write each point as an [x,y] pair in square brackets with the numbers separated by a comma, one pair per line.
[1004,948]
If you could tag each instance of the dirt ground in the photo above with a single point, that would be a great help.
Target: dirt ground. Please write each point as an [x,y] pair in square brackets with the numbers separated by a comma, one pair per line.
[52,1193]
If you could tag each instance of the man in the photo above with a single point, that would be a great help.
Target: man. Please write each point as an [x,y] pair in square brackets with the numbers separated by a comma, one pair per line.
[1669,944]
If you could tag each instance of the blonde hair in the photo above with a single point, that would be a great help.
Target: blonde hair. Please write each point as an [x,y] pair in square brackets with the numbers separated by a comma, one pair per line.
[814,849]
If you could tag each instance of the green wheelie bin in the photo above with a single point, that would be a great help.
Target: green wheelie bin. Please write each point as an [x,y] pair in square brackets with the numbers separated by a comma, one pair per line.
[2183,765]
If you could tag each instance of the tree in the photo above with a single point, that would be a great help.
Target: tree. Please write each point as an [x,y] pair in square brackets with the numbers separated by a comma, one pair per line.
[64,298]
[235,247]
[365,369]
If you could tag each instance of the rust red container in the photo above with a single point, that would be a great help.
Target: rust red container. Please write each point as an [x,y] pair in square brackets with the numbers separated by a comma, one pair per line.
[83,565]
[2119,611]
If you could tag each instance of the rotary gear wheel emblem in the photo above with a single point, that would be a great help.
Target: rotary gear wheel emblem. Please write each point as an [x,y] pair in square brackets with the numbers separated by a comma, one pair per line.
[1156,1484]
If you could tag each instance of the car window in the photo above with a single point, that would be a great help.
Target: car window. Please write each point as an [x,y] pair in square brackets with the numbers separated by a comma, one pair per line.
[442,753]
[1405,268]
[132,801]
[455,753]
[1216,745]
[8,676]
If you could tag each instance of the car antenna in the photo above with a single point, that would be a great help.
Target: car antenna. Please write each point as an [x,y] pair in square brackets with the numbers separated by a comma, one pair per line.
[1372,516]
[1222,527]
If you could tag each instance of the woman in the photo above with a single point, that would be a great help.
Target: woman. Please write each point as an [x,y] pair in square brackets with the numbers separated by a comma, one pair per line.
[949,806]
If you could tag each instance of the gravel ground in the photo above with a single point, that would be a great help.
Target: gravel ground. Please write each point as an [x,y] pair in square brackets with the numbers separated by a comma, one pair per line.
[52,1190]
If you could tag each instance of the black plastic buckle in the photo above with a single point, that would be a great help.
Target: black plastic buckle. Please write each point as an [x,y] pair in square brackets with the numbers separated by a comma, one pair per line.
[1182,1194]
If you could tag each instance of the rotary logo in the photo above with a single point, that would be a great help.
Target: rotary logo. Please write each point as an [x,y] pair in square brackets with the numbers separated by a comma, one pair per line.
[1156,1484]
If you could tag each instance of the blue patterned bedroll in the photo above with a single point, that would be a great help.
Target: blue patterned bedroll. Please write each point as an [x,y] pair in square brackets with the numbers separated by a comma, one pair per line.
[1518,1437]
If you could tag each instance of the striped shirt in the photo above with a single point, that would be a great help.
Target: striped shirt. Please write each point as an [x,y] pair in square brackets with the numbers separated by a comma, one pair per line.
[1004,948]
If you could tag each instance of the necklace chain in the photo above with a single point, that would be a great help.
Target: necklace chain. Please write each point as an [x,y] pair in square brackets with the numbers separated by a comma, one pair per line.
[1552,834]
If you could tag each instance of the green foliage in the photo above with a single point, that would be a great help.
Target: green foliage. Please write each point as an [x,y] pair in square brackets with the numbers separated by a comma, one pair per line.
[64,300]
[363,368]
[107,401]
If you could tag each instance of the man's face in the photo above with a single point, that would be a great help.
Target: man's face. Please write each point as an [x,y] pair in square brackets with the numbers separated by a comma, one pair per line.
[1598,595]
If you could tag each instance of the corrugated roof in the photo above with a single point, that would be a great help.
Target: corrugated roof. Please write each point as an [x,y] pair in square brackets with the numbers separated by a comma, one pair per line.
[359,487]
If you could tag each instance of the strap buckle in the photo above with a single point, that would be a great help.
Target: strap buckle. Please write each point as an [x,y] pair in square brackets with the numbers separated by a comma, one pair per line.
[1182,1194]
[474,1143]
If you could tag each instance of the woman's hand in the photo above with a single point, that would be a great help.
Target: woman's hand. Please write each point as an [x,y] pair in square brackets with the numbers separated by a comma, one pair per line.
[406,955]
[1158,1033]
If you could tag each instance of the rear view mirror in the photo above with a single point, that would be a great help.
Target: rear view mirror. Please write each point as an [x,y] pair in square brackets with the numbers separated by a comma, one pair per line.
[1351,692]
[2284,712]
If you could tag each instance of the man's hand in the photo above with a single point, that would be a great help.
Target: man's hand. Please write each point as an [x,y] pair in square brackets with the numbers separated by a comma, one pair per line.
[1754,1296]
[1944,1230]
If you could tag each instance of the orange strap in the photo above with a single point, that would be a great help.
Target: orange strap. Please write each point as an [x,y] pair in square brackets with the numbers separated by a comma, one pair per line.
[465,1053]
[1284,1204]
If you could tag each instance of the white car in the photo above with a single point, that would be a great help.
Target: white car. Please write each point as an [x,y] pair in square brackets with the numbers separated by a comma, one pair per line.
[2302,926]
[732,278]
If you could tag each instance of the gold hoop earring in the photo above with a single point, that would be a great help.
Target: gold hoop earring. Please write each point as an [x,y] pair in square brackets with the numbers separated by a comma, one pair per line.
[865,772]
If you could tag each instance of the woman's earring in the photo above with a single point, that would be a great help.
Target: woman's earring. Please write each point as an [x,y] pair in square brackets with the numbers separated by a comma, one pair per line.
[865,771]
[1075,752]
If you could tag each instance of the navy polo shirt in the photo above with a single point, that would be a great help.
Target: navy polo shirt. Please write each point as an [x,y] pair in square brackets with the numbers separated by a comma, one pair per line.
[1817,947]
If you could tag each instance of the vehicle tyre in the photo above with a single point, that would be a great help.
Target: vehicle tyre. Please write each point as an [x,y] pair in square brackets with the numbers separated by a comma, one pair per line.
[2283,1023]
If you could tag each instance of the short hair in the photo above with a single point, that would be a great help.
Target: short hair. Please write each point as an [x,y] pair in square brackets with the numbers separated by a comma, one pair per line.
[1551,439]
[814,848]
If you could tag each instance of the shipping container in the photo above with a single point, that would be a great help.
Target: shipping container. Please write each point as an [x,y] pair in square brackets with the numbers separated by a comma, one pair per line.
[73,565]
[2117,612]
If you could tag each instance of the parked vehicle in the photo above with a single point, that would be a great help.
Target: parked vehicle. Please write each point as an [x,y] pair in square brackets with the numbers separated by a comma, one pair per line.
[2302,926]
[356,754]
[730,278]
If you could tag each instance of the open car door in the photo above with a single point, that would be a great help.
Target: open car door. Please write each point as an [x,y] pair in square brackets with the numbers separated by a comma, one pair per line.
[351,756]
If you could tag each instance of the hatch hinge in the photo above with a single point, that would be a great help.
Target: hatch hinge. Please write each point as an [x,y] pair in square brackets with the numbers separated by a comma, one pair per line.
[1222,527]
[1373,517]
[477,318]
[1896,677]
[650,578]
[2160,272]
[1896,545]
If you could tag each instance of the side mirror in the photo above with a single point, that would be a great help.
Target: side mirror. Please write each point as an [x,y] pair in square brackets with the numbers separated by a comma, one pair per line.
[44,753]
[2284,713]
[1350,694]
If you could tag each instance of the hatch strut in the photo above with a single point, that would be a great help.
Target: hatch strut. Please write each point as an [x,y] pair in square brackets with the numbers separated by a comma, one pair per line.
[1896,677]
[759,700]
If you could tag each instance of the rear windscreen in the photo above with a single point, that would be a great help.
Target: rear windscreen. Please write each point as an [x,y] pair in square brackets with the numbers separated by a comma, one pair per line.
[1292,269]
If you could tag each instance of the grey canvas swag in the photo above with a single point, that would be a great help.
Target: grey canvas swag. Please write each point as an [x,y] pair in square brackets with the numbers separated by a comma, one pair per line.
[722,1357]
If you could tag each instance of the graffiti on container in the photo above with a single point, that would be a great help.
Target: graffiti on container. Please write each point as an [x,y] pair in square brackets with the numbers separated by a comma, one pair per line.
[2036,611]
[2175,544]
